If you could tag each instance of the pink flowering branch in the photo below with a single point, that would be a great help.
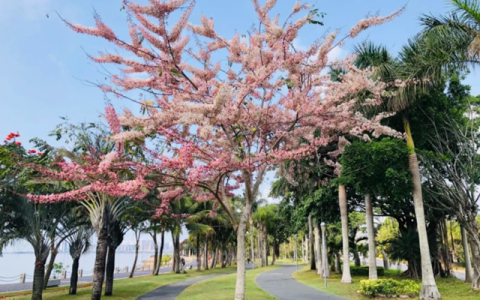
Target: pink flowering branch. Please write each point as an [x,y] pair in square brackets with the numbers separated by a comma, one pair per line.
[252,108]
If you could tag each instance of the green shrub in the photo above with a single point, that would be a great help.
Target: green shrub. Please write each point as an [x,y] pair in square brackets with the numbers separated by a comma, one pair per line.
[408,287]
[389,287]
[363,271]
[166,258]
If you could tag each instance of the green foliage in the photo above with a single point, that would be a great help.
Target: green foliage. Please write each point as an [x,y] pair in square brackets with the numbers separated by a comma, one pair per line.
[268,216]
[58,268]
[378,168]
[322,204]
[363,271]
[166,258]
[389,288]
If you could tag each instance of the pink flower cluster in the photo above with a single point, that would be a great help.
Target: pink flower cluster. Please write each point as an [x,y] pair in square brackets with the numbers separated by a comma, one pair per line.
[253,100]
[373,21]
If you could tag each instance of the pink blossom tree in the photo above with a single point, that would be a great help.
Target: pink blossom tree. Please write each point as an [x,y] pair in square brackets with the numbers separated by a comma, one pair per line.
[224,110]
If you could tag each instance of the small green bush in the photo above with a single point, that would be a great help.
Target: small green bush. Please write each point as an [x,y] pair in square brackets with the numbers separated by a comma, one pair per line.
[363,271]
[389,287]
[166,258]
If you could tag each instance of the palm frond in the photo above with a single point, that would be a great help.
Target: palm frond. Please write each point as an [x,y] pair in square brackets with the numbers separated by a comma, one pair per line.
[376,56]
[469,9]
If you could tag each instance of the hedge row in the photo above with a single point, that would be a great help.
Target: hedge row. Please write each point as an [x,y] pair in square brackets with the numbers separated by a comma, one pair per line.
[389,288]
[363,271]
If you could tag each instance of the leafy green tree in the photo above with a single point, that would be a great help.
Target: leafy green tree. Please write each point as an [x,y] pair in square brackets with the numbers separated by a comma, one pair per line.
[420,73]
[41,225]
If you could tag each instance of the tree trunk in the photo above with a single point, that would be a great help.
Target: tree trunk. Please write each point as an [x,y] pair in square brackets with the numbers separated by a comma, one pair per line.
[474,246]
[110,269]
[274,254]
[451,239]
[386,265]
[265,245]
[339,264]
[222,251]
[155,255]
[466,251]
[174,257]
[74,277]
[230,257]
[304,260]
[199,256]
[159,262]
[356,258]
[372,258]
[252,229]
[38,278]
[318,247]
[342,196]
[134,260]
[311,243]
[259,246]
[429,287]
[206,252]
[474,239]
[446,254]
[241,230]
[214,254]
[99,269]
[51,261]
[176,253]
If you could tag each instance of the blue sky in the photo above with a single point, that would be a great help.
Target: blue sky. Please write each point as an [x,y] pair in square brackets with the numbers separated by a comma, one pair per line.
[44,62]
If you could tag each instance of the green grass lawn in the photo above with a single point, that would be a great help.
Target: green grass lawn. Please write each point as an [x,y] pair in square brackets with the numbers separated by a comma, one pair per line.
[223,288]
[124,289]
[450,288]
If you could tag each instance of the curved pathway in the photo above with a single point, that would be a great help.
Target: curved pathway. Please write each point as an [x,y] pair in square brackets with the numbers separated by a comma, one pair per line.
[280,283]
[171,291]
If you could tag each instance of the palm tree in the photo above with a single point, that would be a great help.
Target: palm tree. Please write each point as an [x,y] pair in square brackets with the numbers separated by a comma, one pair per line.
[372,258]
[116,230]
[407,68]
[258,202]
[79,243]
[181,207]
[266,218]
[67,226]
[34,223]
[102,211]
[196,227]
[454,40]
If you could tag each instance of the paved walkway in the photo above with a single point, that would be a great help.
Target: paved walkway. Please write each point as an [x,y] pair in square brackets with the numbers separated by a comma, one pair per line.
[171,291]
[280,283]
[16,287]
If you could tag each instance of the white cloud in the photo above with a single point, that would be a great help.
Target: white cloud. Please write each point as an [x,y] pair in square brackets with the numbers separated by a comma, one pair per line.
[297,44]
[335,54]
[264,189]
